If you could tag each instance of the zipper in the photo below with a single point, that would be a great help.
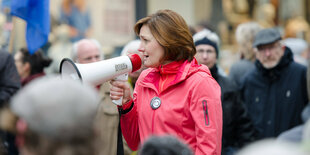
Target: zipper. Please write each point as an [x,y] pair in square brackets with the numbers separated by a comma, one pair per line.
[164,80]
[205,110]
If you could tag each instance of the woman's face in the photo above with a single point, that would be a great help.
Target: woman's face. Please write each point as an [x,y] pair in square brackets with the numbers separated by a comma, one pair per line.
[22,68]
[151,49]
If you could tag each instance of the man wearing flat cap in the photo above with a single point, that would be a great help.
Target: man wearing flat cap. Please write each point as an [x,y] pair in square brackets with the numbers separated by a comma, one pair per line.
[275,90]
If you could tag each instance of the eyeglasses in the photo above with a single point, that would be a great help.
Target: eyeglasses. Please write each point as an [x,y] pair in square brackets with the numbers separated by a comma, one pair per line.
[200,51]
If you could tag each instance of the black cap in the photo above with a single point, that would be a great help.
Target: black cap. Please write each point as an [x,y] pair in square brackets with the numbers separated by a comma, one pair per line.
[266,36]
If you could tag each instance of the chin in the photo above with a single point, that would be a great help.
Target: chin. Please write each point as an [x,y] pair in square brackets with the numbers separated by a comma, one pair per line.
[269,65]
[149,66]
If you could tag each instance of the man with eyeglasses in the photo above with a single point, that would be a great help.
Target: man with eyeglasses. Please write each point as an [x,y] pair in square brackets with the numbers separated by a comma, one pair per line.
[235,118]
[275,90]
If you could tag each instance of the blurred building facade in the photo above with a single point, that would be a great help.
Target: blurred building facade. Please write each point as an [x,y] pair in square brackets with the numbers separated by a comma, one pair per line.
[113,20]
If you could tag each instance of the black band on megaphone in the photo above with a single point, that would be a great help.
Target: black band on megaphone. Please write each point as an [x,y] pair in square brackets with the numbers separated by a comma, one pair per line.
[73,64]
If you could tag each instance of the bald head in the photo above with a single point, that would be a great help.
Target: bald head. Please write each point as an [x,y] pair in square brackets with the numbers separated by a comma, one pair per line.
[86,51]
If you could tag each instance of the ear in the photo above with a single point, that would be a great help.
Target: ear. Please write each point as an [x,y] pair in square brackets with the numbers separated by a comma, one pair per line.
[283,47]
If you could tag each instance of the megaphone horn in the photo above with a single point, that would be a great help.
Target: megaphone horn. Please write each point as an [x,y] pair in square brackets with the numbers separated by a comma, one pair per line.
[99,72]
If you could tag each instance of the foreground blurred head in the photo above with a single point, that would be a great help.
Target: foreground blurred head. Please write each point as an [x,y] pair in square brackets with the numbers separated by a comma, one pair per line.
[56,116]
[164,145]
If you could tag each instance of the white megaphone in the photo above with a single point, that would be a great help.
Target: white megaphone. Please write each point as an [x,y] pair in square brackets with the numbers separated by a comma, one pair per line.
[99,72]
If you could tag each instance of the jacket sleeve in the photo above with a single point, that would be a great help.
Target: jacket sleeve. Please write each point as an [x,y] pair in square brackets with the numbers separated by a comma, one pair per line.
[9,78]
[129,124]
[206,111]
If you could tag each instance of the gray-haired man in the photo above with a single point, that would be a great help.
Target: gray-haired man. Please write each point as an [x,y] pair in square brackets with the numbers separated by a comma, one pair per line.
[275,90]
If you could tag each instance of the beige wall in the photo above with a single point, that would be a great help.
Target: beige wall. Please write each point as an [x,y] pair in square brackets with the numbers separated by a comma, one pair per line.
[202,10]
[113,20]
[184,7]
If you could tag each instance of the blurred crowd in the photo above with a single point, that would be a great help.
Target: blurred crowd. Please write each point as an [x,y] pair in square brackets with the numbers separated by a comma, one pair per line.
[265,90]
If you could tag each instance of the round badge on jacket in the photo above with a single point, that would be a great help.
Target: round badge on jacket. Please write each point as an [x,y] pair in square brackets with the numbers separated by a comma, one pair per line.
[155,103]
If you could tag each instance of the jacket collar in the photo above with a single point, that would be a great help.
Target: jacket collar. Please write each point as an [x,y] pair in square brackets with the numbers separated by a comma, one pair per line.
[185,69]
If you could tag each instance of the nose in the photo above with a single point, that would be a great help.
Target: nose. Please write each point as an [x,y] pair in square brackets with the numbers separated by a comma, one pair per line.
[267,52]
[141,48]
[205,55]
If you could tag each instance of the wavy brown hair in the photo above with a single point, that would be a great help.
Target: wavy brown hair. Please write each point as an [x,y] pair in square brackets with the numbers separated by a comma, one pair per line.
[172,33]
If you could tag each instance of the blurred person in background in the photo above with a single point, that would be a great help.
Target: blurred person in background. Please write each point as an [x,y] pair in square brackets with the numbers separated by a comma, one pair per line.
[55,117]
[9,85]
[87,51]
[107,118]
[76,14]
[30,66]
[245,34]
[60,48]
[275,91]
[9,78]
[235,117]
[174,95]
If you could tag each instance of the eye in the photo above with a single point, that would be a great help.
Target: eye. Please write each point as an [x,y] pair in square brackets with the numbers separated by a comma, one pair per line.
[88,58]
[145,40]
[200,51]
[209,51]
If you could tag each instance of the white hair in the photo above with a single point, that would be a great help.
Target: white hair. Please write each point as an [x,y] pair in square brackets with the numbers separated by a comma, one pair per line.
[75,48]
[131,46]
[246,32]
[57,108]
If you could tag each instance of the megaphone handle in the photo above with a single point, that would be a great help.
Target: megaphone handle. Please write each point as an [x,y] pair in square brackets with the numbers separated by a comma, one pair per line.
[123,77]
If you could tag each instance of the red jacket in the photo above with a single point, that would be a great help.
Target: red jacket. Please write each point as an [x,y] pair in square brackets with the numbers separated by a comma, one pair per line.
[190,109]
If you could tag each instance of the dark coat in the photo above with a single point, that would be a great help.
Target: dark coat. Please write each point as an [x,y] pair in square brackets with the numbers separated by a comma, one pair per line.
[9,85]
[276,97]
[9,78]
[237,126]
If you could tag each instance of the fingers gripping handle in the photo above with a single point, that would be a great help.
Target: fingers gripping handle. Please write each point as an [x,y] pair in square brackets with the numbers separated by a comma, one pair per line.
[123,77]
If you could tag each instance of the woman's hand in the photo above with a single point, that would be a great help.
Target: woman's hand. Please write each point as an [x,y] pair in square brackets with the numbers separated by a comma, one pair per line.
[120,89]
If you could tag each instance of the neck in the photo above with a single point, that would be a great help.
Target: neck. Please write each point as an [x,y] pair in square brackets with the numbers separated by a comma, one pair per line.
[166,62]
[25,75]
